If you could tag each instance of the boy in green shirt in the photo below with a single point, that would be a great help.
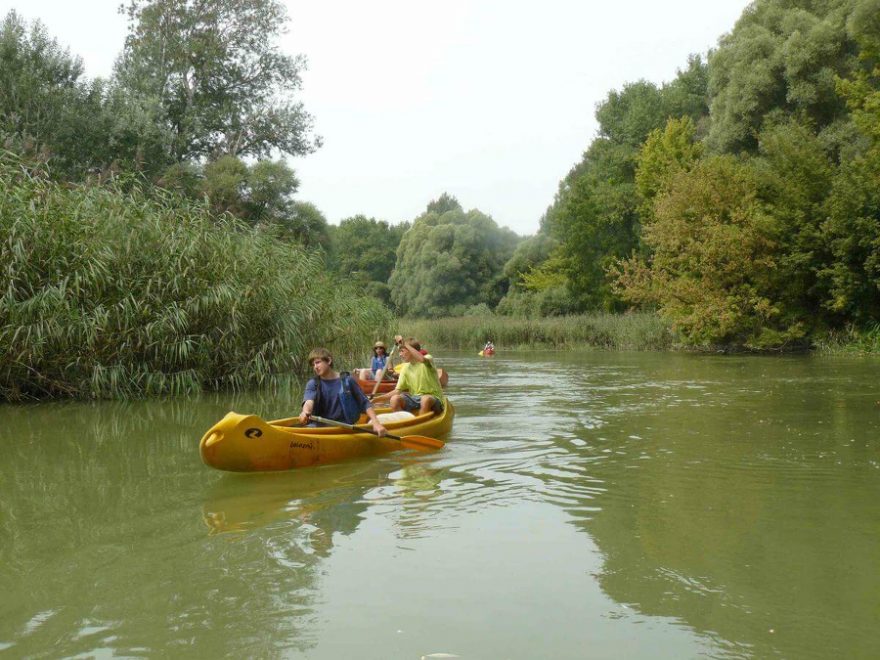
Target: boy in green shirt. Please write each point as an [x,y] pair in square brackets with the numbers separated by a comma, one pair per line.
[418,388]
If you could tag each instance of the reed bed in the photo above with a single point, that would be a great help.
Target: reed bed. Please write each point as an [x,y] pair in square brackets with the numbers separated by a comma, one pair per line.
[851,341]
[111,292]
[631,331]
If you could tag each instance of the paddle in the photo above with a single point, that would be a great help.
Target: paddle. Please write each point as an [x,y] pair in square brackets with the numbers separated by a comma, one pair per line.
[420,442]
[381,374]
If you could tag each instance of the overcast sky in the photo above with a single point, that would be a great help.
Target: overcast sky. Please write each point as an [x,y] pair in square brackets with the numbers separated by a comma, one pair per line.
[492,101]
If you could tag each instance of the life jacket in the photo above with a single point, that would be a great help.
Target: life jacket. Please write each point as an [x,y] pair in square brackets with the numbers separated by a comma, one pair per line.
[350,408]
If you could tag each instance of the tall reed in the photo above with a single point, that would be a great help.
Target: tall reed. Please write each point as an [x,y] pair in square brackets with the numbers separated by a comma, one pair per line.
[113,293]
[850,341]
[633,331]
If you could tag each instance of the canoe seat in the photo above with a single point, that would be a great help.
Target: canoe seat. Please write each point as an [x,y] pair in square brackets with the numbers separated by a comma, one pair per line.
[390,417]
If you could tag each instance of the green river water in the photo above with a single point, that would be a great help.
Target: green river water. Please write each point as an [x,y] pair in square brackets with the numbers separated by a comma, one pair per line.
[587,505]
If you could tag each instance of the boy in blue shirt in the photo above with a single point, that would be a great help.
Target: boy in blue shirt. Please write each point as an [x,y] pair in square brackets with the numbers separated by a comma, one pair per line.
[335,396]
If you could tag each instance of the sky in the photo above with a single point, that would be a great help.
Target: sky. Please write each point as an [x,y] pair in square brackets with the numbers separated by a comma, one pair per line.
[491,101]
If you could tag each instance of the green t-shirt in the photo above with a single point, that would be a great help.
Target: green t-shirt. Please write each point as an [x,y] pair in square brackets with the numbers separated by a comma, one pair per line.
[421,378]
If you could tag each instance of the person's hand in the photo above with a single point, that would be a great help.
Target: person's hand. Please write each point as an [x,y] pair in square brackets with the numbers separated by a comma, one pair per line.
[379,429]
[304,418]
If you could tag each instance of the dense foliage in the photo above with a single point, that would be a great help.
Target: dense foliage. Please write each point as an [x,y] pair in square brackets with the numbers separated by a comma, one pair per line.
[450,260]
[113,293]
[740,200]
[50,113]
[214,73]
[364,251]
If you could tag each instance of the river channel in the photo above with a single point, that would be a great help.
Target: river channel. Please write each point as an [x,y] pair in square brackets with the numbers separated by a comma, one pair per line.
[587,505]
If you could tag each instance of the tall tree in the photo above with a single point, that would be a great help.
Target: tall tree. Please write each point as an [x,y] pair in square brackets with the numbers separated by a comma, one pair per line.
[364,250]
[449,261]
[50,112]
[781,57]
[596,215]
[216,72]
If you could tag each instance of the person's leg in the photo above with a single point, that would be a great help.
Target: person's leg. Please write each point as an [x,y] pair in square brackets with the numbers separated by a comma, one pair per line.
[426,404]
[396,403]
[410,402]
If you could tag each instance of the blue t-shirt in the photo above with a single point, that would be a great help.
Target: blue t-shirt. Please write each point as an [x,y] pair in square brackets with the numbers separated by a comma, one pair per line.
[378,364]
[331,398]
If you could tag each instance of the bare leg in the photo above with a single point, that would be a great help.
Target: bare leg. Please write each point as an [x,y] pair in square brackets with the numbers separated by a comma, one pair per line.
[426,404]
[396,403]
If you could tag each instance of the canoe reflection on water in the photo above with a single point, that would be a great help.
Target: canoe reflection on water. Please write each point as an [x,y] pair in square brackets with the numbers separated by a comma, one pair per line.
[331,498]
[239,502]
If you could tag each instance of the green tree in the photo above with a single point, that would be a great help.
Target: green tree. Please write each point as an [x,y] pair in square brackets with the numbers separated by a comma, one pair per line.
[260,194]
[214,70]
[665,153]
[713,261]
[852,210]
[364,250]
[50,113]
[781,57]
[304,223]
[450,260]
[595,215]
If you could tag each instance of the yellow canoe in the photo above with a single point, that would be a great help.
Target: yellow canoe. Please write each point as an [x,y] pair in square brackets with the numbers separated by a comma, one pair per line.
[247,443]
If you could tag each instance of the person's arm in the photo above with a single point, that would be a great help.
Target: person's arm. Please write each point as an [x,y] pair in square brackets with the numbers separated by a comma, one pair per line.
[306,413]
[377,425]
[415,353]
[367,407]
[379,398]
[308,404]
[307,407]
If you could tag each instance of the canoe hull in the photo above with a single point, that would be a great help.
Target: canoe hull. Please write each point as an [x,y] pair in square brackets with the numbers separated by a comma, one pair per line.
[247,443]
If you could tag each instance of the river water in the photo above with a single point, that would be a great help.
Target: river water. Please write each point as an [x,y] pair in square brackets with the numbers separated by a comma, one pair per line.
[587,505]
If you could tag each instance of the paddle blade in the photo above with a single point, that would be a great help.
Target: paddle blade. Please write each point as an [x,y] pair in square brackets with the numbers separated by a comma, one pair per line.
[480,353]
[421,443]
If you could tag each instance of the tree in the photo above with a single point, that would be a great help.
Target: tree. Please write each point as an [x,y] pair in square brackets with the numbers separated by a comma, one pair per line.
[364,250]
[596,215]
[665,153]
[216,73]
[781,57]
[852,210]
[450,260]
[50,113]
[713,260]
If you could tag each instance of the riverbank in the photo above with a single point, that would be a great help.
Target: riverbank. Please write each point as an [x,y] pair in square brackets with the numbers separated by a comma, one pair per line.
[633,331]
[639,331]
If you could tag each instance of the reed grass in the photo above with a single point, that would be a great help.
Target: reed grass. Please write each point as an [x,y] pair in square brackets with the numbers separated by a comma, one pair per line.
[631,331]
[115,291]
[850,341]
